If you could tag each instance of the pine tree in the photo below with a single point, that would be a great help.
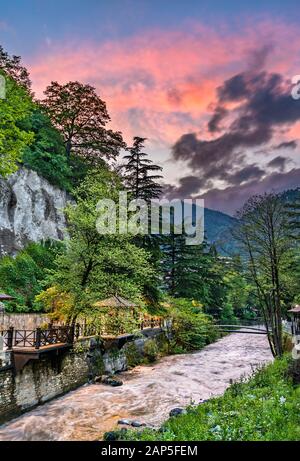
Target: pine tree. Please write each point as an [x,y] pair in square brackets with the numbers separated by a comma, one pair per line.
[186,268]
[141,181]
[141,176]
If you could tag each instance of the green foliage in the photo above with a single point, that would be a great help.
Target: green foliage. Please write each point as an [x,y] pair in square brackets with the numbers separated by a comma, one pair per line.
[23,276]
[96,266]
[191,328]
[46,154]
[264,236]
[151,350]
[141,174]
[81,117]
[13,139]
[133,356]
[265,408]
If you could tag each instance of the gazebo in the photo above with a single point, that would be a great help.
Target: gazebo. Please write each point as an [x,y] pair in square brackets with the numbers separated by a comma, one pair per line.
[295,314]
[115,306]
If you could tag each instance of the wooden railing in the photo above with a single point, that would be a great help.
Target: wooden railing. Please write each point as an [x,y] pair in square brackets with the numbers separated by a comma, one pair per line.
[37,338]
[62,334]
[152,322]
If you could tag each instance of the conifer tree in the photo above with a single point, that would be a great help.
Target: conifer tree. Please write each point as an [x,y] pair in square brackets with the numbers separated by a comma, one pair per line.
[141,174]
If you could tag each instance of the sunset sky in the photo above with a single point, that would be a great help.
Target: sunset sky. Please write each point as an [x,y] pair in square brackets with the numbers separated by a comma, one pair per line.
[207,82]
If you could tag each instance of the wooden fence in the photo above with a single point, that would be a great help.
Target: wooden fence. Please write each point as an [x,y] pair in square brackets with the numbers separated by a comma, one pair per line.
[40,337]
[37,338]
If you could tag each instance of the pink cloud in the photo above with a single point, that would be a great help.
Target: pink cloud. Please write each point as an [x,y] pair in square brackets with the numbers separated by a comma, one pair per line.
[161,84]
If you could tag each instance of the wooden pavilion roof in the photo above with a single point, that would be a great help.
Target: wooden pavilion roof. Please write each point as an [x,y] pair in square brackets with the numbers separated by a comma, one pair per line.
[115,301]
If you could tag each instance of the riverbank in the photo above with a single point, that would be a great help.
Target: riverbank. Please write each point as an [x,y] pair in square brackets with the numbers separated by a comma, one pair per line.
[147,395]
[265,408]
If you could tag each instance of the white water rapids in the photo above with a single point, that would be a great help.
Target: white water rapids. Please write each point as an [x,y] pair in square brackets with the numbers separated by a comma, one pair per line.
[147,395]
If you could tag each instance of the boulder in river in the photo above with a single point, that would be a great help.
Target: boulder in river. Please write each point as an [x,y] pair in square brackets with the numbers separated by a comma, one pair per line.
[111,381]
[177,412]
[137,424]
[126,422]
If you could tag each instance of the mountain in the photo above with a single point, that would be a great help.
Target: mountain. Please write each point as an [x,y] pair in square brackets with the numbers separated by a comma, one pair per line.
[217,227]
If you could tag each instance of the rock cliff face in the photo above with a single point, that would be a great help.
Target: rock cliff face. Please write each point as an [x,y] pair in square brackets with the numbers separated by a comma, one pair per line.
[31,210]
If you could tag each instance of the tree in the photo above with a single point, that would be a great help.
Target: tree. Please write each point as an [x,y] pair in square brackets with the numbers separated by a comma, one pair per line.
[263,234]
[13,138]
[139,177]
[81,117]
[11,65]
[143,184]
[190,271]
[46,154]
[97,266]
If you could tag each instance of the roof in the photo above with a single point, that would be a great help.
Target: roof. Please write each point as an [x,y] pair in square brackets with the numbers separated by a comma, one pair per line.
[4,297]
[296,309]
[115,301]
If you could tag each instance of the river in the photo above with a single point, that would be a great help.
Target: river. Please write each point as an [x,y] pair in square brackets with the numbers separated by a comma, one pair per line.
[147,395]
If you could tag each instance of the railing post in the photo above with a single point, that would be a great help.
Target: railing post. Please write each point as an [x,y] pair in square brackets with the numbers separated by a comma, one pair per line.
[10,337]
[38,338]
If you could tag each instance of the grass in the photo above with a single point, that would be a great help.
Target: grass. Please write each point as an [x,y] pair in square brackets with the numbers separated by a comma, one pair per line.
[264,408]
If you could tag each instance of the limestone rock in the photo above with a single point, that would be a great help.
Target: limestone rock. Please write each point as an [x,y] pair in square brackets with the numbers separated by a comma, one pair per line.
[31,210]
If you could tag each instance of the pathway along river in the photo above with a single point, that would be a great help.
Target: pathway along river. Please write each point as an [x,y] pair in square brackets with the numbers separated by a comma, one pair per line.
[148,393]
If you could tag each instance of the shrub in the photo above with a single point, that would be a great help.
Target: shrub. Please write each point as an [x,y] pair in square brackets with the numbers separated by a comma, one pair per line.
[191,328]
[151,350]
[23,276]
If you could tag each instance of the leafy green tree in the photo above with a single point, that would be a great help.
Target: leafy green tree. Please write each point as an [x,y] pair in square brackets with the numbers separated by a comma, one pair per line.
[264,237]
[13,139]
[81,117]
[46,154]
[191,328]
[96,266]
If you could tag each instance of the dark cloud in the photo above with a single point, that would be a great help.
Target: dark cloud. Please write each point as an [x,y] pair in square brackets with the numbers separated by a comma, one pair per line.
[214,159]
[286,145]
[279,163]
[232,198]
[250,172]
[188,186]
[214,123]
[262,107]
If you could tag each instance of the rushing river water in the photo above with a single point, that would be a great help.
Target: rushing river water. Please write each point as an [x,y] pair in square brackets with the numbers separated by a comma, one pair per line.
[148,393]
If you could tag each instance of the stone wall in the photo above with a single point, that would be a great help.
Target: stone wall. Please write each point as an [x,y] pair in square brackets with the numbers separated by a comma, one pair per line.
[50,376]
[22,321]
